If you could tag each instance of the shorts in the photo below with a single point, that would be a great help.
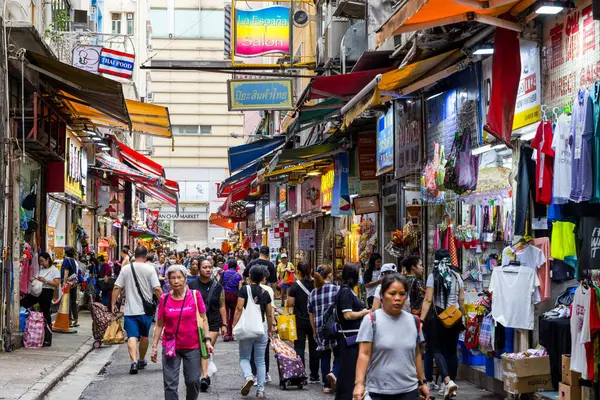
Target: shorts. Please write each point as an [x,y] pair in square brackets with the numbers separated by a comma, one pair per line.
[138,325]
[285,286]
[212,327]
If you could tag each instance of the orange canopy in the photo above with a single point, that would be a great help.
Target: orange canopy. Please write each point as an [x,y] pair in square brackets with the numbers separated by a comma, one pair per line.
[214,219]
[421,14]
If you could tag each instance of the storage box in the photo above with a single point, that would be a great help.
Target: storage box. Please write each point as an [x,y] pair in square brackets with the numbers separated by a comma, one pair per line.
[566,392]
[526,384]
[587,393]
[569,377]
[529,366]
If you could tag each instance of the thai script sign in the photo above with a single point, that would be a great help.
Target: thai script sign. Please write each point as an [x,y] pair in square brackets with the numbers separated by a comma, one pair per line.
[117,63]
[262,31]
[271,94]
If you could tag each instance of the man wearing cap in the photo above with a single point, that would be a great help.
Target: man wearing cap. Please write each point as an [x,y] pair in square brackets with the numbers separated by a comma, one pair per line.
[285,272]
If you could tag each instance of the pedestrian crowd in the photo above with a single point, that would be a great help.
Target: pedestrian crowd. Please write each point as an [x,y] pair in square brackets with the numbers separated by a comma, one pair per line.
[355,350]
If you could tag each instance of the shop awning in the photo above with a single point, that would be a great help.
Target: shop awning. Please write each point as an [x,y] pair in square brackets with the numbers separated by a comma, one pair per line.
[140,161]
[344,86]
[94,91]
[416,15]
[238,191]
[226,223]
[304,159]
[247,154]
[233,179]
[146,119]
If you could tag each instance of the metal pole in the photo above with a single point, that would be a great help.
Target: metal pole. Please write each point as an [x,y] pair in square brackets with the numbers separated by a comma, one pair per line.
[4,266]
[361,94]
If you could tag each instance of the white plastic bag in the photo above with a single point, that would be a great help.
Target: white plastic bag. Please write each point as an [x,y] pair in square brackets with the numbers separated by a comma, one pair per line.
[35,288]
[212,367]
[250,325]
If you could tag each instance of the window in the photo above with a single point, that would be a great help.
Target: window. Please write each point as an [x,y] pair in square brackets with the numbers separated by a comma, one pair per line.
[116,23]
[158,20]
[212,25]
[130,24]
[199,24]
[192,129]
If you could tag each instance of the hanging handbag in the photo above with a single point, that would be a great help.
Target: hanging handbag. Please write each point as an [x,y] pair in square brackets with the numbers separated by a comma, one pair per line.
[171,343]
[200,324]
[467,164]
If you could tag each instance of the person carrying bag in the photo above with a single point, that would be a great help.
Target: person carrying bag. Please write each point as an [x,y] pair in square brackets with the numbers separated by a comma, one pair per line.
[250,324]
[149,306]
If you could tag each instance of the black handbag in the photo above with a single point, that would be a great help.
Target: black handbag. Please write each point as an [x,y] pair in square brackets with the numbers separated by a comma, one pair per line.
[149,307]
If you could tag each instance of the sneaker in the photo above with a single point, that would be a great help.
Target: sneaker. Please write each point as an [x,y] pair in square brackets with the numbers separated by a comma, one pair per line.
[442,389]
[449,389]
[432,386]
[133,370]
[314,380]
[247,386]
[255,380]
[204,384]
[268,378]
[332,381]
[208,380]
[142,364]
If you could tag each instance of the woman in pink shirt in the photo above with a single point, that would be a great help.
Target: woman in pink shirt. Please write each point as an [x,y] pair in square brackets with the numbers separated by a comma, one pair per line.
[176,321]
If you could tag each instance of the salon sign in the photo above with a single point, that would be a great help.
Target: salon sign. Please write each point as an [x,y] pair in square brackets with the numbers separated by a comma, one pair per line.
[262,31]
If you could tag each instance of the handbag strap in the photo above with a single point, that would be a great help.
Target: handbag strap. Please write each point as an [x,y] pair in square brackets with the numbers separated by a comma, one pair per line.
[211,291]
[180,312]
[137,284]
[304,289]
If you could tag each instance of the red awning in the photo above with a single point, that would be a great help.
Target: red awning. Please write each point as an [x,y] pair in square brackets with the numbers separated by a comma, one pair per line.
[238,191]
[140,161]
[344,86]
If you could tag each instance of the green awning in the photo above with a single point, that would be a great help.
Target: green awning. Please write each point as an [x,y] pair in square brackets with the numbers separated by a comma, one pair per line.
[315,115]
[308,153]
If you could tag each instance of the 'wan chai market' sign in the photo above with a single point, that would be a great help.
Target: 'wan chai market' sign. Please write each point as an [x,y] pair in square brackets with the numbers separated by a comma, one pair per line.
[262,31]
[268,94]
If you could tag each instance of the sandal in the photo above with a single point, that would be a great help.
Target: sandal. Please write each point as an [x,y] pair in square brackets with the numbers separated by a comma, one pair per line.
[260,395]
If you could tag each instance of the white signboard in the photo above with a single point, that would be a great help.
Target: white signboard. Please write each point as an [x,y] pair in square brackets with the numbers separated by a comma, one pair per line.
[370,186]
[274,245]
[183,216]
[195,192]
[306,239]
[87,58]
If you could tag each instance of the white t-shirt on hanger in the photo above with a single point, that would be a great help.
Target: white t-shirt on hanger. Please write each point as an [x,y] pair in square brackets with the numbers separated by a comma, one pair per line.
[530,256]
[514,291]
[580,329]
[561,185]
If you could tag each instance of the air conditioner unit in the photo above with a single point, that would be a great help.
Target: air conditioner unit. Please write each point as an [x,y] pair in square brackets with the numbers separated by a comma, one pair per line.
[150,97]
[333,38]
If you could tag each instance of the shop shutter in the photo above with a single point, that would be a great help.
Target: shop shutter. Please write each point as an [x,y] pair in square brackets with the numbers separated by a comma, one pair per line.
[319,239]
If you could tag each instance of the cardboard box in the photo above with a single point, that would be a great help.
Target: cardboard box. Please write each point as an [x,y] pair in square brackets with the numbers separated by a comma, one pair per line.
[530,366]
[527,384]
[569,377]
[566,392]
[587,393]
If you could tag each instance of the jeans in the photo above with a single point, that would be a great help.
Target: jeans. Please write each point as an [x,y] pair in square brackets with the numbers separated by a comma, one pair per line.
[300,347]
[74,308]
[230,303]
[258,344]
[253,364]
[428,363]
[191,373]
[45,302]
[325,356]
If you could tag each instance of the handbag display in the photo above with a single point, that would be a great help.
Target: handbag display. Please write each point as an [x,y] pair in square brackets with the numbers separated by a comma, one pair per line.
[200,323]
[250,325]
[149,307]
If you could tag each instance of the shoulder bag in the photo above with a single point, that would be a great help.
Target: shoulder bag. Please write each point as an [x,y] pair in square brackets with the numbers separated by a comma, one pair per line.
[149,307]
[250,324]
[171,343]
[200,325]
[451,315]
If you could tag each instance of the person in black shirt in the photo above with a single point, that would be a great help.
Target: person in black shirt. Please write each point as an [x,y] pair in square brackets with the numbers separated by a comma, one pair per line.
[214,300]
[298,296]
[264,260]
[350,311]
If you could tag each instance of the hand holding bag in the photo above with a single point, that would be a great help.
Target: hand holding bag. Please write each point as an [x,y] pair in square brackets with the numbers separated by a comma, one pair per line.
[200,323]
[286,326]
[35,288]
[250,324]
[114,333]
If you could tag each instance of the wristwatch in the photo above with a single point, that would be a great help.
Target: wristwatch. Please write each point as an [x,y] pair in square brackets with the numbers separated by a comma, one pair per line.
[207,339]
[421,383]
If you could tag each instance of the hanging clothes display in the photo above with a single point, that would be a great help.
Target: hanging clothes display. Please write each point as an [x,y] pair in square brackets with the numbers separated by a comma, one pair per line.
[543,272]
[580,330]
[527,256]
[542,143]
[562,244]
[513,289]
[595,100]
[561,185]
[588,235]
[581,136]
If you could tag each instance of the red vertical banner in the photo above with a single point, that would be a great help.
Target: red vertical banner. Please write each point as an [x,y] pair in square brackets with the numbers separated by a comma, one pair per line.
[506,73]
[367,156]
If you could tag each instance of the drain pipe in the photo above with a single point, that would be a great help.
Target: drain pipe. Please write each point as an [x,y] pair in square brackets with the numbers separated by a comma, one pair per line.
[370,86]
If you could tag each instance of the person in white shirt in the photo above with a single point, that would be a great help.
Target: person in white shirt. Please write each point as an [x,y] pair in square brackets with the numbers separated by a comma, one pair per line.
[138,279]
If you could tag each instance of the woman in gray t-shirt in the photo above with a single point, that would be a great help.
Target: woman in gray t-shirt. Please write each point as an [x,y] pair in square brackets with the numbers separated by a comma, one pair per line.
[382,350]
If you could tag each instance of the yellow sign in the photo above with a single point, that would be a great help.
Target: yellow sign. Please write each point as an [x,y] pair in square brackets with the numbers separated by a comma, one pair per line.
[75,167]
[327,187]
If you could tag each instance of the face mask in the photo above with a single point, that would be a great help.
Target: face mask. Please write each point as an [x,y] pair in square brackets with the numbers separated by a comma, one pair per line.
[171,261]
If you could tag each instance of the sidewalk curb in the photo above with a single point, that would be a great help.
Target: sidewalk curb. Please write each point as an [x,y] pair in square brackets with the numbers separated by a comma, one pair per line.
[47,383]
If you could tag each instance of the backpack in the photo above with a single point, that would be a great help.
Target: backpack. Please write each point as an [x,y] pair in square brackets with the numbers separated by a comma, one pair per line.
[34,330]
[330,321]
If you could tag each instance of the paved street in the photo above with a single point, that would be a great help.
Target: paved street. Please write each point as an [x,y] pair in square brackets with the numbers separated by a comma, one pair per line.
[104,375]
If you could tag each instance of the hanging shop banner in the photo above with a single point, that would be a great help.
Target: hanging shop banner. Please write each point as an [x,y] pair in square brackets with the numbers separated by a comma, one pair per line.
[306,239]
[385,142]
[267,94]
[311,195]
[262,31]
[75,167]
[274,245]
[152,220]
[572,58]
[327,181]
[366,149]
[408,137]
[282,199]
[87,58]
[341,197]
[117,63]
[292,199]
[259,214]
[528,105]
[272,210]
